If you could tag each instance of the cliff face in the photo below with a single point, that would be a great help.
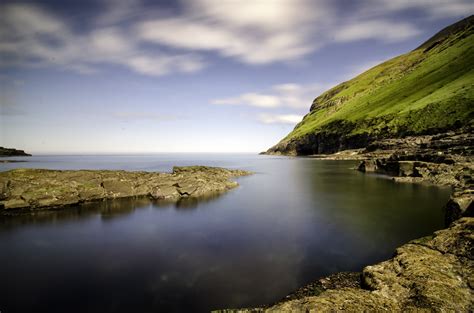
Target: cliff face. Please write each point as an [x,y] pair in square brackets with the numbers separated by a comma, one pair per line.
[428,90]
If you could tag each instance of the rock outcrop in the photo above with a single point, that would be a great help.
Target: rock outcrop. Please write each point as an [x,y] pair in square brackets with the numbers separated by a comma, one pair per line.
[443,159]
[12,152]
[29,189]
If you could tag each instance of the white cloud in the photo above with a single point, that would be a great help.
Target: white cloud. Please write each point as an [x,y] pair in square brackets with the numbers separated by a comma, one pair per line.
[279,118]
[30,36]
[251,99]
[254,32]
[284,95]
[251,32]
[376,29]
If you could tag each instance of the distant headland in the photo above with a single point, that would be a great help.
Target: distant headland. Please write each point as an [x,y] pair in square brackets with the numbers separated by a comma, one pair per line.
[12,152]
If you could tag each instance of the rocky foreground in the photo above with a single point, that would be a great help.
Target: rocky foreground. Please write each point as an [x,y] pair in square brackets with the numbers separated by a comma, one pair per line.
[29,189]
[435,273]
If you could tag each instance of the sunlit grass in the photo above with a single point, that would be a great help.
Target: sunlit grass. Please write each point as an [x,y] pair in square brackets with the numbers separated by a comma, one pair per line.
[417,92]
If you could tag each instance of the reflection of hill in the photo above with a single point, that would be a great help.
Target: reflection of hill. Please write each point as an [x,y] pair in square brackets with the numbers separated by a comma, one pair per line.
[373,209]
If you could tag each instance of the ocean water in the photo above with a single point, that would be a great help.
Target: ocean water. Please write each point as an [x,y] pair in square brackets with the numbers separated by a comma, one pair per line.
[294,220]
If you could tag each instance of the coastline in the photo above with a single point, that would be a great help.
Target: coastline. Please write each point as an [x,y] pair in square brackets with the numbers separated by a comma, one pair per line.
[357,287]
[433,272]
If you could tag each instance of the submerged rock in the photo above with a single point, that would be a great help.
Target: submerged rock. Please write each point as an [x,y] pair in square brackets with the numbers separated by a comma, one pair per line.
[37,188]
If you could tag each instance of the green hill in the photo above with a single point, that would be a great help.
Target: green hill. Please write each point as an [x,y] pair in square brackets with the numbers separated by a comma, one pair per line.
[425,91]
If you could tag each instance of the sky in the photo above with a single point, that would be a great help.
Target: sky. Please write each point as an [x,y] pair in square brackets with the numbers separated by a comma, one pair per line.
[137,76]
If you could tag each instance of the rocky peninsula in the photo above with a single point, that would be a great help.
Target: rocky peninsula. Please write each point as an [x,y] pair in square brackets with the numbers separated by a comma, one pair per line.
[31,189]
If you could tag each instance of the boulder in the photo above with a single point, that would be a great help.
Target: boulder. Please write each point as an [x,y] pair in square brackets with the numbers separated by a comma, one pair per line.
[459,205]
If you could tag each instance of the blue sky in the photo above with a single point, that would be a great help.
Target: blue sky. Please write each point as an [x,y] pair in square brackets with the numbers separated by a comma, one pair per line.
[188,76]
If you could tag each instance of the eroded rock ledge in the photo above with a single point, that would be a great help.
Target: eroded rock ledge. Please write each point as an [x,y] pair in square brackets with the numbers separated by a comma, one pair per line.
[29,189]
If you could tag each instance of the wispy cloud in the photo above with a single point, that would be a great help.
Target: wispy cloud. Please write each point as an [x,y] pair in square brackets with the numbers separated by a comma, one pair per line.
[153,40]
[382,30]
[31,36]
[284,95]
[254,32]
[268,118]
[252,99]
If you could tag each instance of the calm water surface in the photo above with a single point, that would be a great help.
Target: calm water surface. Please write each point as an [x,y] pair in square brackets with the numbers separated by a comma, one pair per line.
[293,221]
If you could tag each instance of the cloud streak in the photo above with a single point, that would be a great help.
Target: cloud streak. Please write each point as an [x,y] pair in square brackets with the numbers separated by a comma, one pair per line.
[290,95]
[291,119]
[31,36]
[253,32]
[376,29]
[156,41]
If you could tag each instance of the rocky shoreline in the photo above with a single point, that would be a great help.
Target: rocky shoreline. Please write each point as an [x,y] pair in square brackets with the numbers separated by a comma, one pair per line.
[434,273]
[431,273]
[32,189]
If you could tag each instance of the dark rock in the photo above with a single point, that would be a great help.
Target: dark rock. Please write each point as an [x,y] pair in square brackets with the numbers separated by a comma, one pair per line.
[459,205]
[368,166]
[12,152]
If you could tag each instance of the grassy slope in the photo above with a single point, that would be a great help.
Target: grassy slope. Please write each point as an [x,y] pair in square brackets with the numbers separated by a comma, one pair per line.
[428,89]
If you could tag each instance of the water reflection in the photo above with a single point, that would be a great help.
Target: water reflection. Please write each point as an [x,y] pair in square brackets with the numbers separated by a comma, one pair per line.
[293,221]
[105,210]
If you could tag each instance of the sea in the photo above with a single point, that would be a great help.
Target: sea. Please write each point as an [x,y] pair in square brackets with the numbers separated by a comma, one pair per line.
[291,222]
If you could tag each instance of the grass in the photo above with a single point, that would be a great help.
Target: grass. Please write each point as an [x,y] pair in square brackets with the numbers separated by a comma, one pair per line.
[415,93]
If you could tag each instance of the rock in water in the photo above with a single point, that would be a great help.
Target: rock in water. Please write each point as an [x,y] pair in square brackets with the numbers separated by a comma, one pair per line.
[37,188]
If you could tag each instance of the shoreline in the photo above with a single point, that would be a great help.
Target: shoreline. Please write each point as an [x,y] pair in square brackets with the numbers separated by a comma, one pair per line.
[330,292]
[26,190]
[433,272]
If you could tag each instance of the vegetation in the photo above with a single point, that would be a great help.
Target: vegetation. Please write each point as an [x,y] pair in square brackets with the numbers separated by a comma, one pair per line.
[424,91]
